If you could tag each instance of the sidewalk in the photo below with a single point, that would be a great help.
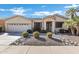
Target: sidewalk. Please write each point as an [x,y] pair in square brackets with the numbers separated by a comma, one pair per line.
[39,49]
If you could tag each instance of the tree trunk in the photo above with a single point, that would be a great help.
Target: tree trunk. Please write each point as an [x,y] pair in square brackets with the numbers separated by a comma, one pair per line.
[72,31]
[77,28]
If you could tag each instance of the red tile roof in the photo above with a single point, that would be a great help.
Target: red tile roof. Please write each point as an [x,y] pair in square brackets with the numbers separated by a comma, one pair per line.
[2,22]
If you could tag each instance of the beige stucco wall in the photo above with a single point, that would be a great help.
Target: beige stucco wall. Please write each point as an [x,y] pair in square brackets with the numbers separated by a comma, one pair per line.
[59,19]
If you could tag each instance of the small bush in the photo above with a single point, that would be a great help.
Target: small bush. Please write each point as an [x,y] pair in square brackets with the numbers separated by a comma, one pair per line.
[36,34]
[29,31]
[49,34]
[25,34]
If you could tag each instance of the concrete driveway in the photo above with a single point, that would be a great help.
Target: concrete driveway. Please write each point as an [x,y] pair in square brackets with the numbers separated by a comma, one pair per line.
[6,39]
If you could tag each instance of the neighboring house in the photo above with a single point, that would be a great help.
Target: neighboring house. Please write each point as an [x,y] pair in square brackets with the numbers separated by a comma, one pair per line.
[2,25]
[20,23]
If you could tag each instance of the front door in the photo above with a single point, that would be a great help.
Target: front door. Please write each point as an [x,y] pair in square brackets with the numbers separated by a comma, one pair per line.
[49,26]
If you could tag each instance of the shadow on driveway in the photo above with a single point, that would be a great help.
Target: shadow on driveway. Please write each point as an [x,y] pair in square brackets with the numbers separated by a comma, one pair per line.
[14,33]
[1,33]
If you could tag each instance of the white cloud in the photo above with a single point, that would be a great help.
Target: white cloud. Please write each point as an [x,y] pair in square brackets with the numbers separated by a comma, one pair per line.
[18,11]
[2,9]
[73,5]
[46,13]
[56,12]
[41,13]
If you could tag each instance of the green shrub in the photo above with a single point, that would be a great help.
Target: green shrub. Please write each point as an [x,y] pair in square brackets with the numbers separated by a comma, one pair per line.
[25,34]
[36,34]
[49,34]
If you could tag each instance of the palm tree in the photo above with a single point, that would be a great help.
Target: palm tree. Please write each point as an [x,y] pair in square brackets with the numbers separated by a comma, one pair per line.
[71,13]
[77,24]
[70,24]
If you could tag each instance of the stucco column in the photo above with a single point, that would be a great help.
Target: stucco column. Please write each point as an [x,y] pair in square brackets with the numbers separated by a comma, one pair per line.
[6,27]
[44,25]
[32,25]
[53,26]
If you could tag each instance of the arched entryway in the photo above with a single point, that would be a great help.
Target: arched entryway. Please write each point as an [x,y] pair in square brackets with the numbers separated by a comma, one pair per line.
[48,26]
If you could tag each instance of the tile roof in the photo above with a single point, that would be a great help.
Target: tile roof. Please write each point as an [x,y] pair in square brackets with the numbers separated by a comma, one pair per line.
[2,22]
[51,16]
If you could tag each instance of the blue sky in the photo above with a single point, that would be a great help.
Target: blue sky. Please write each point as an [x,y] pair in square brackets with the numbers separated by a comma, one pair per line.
[33,10]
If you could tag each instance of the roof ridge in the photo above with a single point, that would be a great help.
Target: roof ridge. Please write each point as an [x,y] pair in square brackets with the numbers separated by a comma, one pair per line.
[55,15]
[15,16]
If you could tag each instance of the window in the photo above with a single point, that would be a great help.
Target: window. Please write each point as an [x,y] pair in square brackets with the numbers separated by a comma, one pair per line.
[36,24]
[58,24]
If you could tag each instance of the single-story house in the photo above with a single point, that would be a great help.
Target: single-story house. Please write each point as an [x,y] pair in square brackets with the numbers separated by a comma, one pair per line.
[20,23]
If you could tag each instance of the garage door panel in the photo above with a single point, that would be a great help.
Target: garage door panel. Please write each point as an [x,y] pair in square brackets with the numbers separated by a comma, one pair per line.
[18,28]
